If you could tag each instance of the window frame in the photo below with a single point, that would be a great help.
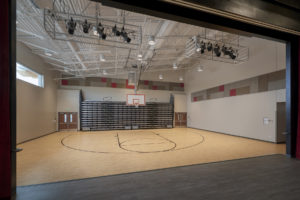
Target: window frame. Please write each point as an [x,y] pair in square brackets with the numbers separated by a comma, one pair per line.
[41,77]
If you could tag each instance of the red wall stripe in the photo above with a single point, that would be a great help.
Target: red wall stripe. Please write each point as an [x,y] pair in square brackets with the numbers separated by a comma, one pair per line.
[146,82]
[298,127]
[182,85]
[154,87]
[232,92]
[5,168]
[103,80]
[113,85]
[129,86]
[221,88]
[64,82]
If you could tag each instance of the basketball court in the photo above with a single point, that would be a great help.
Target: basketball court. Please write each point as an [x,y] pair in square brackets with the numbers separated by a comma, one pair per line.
[77,155]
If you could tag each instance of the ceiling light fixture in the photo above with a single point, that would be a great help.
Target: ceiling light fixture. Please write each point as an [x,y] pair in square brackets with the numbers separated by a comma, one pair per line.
[125,35]
[100,30]
[102,59]
[217,50]
[48,53]
[161,77]
[71,26]
[151,40]
[139,55]
[180,78]
[199,69]
[104,72]
[86,26]
[175,66]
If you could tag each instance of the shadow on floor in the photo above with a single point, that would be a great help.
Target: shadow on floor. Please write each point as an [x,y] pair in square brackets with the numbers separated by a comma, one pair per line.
[267,177]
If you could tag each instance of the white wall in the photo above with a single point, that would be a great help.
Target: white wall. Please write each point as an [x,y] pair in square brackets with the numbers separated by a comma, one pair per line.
[68,101]
[240,115]
[36,107]
[119,94]
[180,103]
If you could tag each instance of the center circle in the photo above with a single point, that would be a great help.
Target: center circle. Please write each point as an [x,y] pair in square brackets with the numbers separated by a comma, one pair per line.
[147,145]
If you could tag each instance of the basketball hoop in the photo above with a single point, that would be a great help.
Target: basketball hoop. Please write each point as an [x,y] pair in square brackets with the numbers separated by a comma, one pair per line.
[135,100]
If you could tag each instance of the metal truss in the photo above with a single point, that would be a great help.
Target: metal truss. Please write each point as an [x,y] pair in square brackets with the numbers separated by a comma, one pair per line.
[53,20]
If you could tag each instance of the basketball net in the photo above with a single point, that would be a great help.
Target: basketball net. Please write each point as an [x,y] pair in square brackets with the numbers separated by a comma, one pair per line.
[136,104]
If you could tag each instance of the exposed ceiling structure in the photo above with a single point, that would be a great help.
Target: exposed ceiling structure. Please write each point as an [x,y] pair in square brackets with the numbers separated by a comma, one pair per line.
[44,26]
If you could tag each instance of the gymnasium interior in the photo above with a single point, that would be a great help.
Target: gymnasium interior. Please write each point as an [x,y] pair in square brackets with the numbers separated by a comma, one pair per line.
[103,91]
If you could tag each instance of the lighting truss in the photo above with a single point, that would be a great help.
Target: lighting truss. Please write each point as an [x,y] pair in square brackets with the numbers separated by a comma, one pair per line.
[192,45]
[55,26]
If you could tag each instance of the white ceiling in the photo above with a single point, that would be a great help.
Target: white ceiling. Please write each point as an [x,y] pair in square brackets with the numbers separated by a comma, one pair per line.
[81,59]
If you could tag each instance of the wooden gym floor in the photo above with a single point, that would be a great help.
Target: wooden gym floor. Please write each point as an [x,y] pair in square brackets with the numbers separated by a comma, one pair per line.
[76,155]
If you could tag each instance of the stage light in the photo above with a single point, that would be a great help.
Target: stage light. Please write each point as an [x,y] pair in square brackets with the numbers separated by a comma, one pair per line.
[225,50]
[200,47]
[86,26]
[125,35]
[151,40]
[175,66]
[116,31]
[217,50]
[100,30]
[209,46]
[71,26]
[232,53]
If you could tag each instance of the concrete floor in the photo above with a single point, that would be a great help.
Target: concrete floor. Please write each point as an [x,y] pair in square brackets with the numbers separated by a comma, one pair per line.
[76,155]
[273,177]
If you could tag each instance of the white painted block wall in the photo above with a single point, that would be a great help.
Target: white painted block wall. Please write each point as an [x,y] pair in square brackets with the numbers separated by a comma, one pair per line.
[239,115]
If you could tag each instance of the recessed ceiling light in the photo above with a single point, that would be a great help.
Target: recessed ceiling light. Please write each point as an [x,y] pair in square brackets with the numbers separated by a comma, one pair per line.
[175,66]
[151,40]
[180,78]
[140,59]
[160,77]
[200,69]
[139,55]
[102,59]
[48,54]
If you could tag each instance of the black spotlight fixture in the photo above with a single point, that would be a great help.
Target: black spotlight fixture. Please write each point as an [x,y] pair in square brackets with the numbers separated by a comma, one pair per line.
[116,31]
[209,46]
[217,50]
[225,50]
[100,30]
[71,26]
[232,53]
[125,35]
[86,26]
[202,46]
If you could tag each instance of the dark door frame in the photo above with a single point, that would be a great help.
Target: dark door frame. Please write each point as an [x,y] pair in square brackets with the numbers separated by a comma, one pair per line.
[163,9]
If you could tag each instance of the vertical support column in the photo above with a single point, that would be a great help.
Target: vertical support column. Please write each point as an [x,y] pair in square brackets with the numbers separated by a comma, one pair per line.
[5,166]
[298,110]
[8,98]
[292,86]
